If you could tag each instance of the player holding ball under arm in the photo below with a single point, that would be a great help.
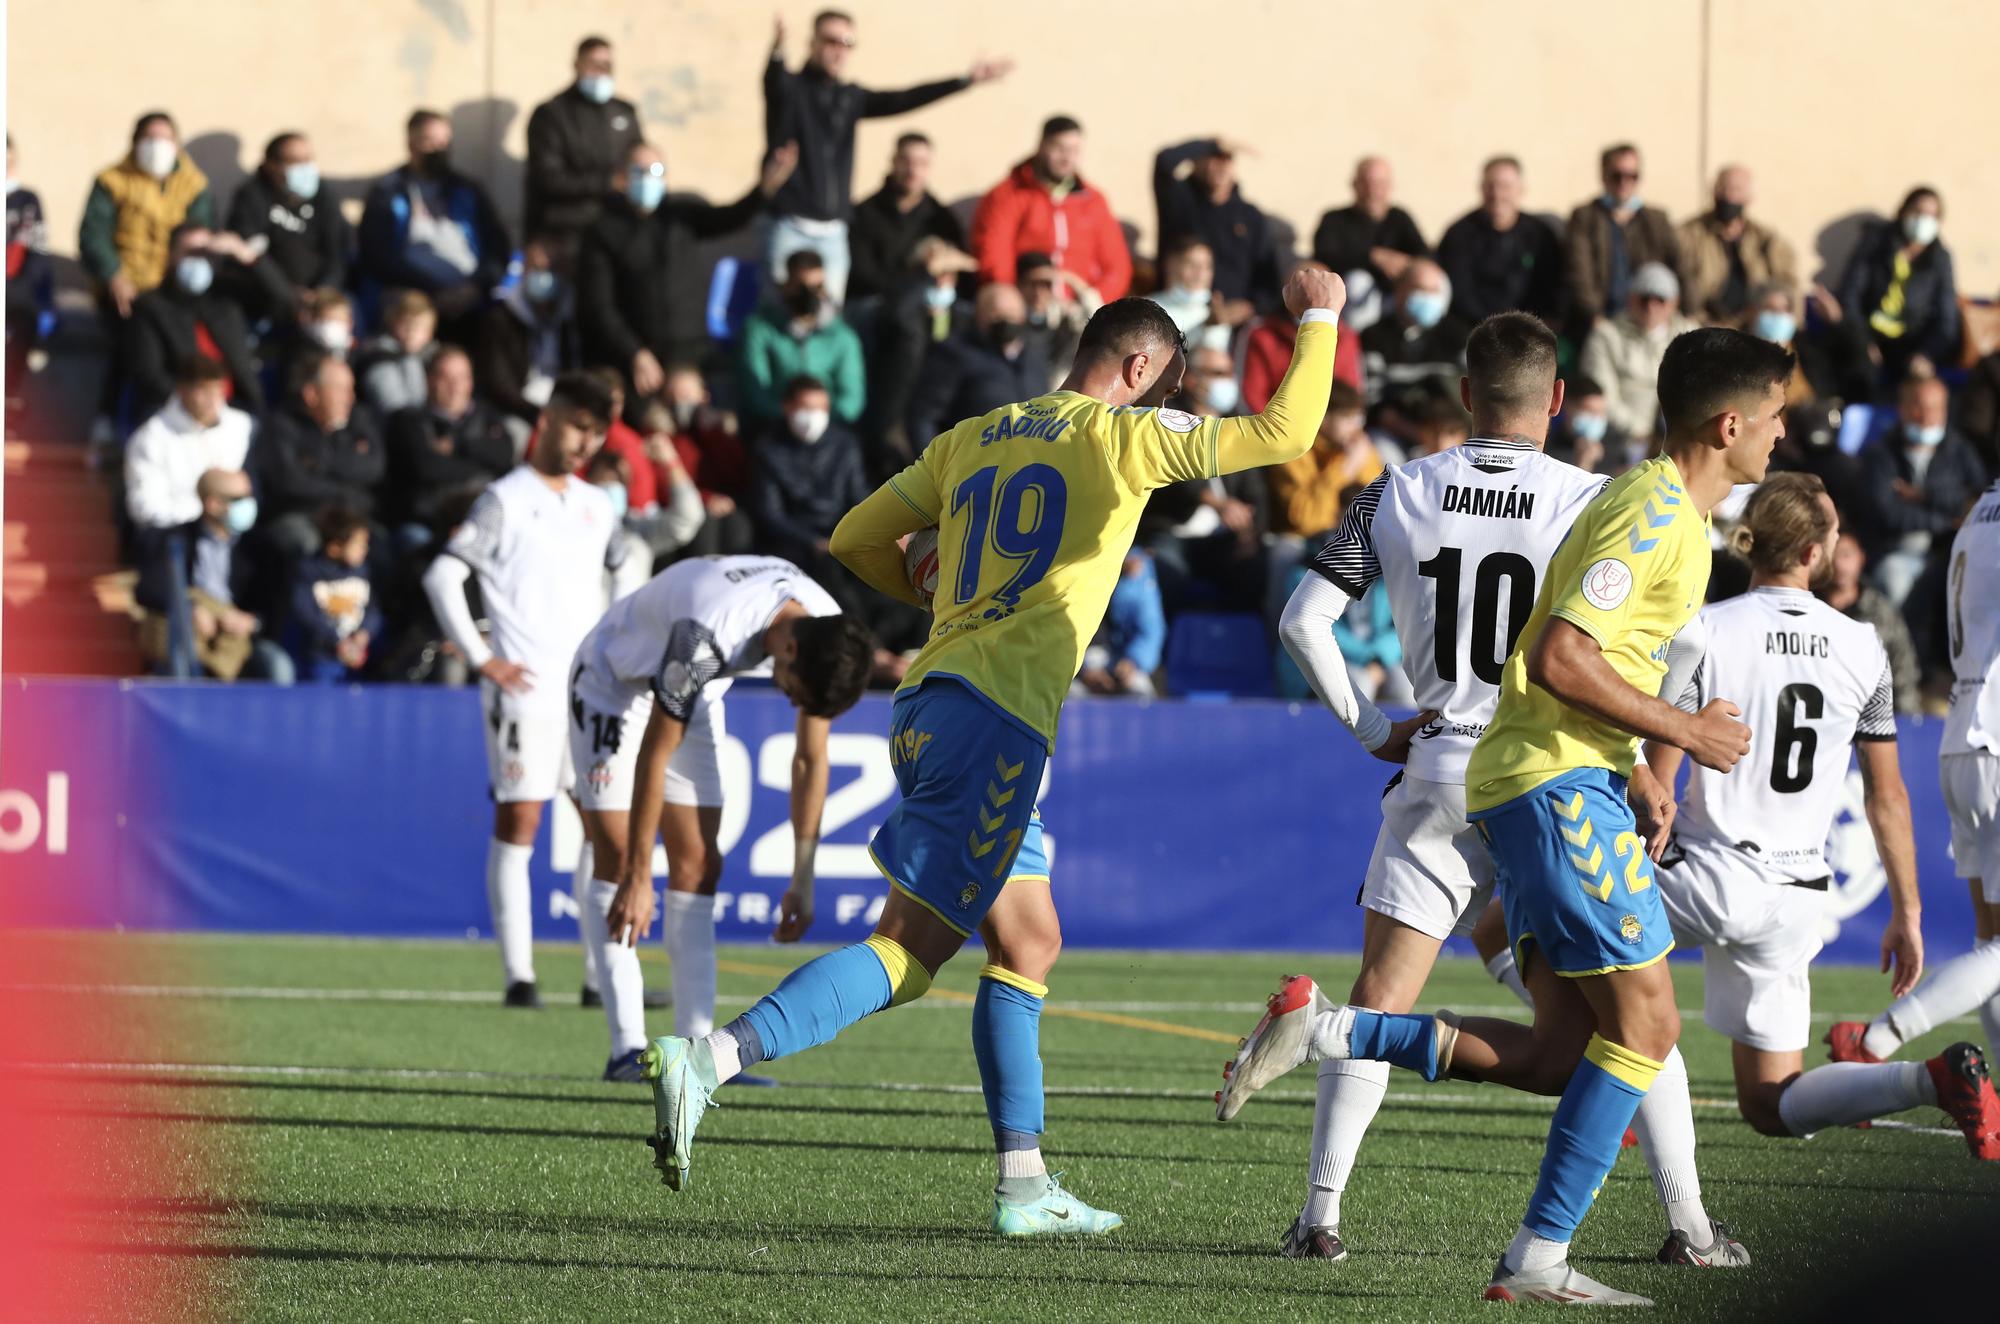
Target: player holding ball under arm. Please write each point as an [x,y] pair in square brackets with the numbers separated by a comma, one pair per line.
[1036,504]
[1547,786]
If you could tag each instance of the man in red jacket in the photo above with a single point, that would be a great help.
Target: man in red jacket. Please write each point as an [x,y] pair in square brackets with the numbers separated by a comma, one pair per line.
[1044,207]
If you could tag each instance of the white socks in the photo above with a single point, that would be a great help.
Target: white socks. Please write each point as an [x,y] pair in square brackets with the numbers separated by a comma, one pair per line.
[1504,971]
[1528,1253]
[722,1046]
[1950,991]
[1665,1123]
[1331,1030]
[513,907]
[1350,1094]
[1843,1093]
[619,978]
[579,888]
[1019,1163]
[690,926]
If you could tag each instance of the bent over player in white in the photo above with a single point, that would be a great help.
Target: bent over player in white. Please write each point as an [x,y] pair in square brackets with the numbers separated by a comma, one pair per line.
[1969,768]
[1745,876]
[646,726]
[539,540]
[1460,540]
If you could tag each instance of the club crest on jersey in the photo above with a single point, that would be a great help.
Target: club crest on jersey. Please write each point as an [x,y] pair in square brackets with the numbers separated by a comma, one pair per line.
[1630,930]
[1178,420]
[1607,583]
[968,896]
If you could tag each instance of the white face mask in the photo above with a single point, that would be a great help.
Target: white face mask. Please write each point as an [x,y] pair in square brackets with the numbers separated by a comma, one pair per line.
[333,336]
[1920,228]
[156,156]
[809,425]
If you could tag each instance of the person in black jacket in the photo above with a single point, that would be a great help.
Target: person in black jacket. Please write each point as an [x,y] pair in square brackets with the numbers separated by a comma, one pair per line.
[307,240]
[806,473]
[1373,235]
[226,585]
[1916,485]
[449,443]
[1900,286]
[1196,194]
[577,143]
[427,227]
[818,111]
[625,265]
[984,366]
[527,338]
[318,453]
[1500,258]
[889,225]
[186,315]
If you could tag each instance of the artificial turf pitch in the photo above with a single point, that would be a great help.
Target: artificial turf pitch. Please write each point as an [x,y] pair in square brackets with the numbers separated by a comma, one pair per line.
[343,1129]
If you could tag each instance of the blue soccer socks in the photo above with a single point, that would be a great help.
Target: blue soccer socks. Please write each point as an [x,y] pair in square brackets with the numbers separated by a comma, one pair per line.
[1409,1041]
[1597,1105]
[1007,1041]
[826,995]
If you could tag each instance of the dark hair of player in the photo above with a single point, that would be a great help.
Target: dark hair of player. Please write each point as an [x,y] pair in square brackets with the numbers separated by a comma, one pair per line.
[1128,326]
[197,368]
[1707,371]
[1783,518]
[579,392]
[1511,361]
[836,657]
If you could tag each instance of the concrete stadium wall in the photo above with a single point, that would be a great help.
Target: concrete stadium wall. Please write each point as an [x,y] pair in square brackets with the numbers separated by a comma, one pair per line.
[1839,105]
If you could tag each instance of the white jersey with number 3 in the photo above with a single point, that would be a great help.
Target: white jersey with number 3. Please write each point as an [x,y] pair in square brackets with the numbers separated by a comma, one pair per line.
[1810,681]
[1460,540]
[1972,620]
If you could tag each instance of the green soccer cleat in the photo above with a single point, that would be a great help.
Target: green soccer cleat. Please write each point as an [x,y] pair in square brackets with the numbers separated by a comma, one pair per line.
[1056,1213]
[682,1073]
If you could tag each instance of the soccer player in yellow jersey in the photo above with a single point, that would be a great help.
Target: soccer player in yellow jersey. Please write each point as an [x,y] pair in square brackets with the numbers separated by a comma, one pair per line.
[1548,786]
[1035,505]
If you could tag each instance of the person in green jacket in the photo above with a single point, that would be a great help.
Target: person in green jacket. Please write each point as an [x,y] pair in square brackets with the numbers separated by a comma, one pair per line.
[798,333]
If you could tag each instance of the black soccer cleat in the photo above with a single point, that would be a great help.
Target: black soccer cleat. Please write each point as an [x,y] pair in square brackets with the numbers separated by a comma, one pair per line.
[522,994]
[1723,1250]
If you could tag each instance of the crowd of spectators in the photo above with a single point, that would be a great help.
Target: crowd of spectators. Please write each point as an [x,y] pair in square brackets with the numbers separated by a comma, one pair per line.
[306,408]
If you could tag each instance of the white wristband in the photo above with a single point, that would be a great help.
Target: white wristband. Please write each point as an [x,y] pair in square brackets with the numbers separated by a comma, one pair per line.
[1327,315]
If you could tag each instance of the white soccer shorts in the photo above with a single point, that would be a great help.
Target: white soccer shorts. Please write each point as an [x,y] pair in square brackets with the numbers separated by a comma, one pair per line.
[527,752]
[605,749]
[1758,938]
[1430,870]
[1972,798]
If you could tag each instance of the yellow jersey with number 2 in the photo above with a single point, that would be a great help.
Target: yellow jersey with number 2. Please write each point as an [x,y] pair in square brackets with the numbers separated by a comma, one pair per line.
[1035,506]
[1631,573]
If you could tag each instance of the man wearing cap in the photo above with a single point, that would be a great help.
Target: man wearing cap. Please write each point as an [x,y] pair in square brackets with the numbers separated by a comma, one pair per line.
[1623,353]
[1195,191]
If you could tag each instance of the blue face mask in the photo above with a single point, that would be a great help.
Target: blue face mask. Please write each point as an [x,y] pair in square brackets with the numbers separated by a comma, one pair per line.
[1927,437]
[1425,307]
[1632,203]
[242,513]
[615,493]
[1223,394]
[937,298]
[539,286]
[1774,326]
[195,274]
[302,180]
[1589,427]
[596,88]
[645,188]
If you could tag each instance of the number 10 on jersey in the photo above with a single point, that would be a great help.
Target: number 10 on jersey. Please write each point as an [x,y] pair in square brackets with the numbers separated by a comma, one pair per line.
[1020,520]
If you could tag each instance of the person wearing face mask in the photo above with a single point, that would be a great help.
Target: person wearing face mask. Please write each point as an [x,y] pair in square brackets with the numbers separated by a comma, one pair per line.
[1210,529]
[987,364]
[1187,280]
[1623,353]
[923,311]
[529,337]
[439,448]
[639,290]
[1584,435]
[306,240]
[1725,255]
[1833,364]
[30,279]
[1195,194]
[1420,342]
[427,227]
[222,584]
[889,224]
[798,332]
[1060,305]
[188,314]
[1900,286]
[577,141]
[1917,482]
[1609,238]
[806,472]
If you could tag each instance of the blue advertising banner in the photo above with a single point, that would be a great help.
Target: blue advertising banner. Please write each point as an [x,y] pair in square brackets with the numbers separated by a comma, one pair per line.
[1237,826]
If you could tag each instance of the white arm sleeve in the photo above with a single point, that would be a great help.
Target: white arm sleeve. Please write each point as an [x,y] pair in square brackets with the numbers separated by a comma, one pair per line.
[682,516]
[1681,685]
[1306,627]
[444,585]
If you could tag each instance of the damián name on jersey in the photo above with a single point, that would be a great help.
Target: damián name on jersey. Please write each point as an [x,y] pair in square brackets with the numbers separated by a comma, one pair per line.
[1506,503]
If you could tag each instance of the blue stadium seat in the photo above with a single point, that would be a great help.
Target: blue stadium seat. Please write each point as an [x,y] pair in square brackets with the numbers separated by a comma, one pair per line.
[1213,654]
[732,296]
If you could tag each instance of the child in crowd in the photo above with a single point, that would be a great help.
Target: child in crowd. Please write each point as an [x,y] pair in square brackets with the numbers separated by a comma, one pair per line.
[389,370]
[334,617]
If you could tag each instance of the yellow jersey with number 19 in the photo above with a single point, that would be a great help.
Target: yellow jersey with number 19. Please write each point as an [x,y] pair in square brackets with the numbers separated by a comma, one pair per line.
[1631,573]
[1036,504]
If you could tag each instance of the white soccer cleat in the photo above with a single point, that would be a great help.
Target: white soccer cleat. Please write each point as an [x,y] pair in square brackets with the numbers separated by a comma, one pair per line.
[1723,1250]
[1561,1286]
[1277,1045]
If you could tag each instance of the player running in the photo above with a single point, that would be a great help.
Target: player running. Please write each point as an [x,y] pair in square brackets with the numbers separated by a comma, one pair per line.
[1547,786]
[539,540]
[1036,505]
[1969,767]
[1745,875]
[1460,540]
[646,727]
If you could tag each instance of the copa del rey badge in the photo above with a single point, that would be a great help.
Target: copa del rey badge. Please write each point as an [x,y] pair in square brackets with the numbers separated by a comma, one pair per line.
[1607,583]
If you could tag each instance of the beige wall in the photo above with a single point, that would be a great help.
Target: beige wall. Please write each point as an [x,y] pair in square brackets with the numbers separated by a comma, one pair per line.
[1839,105]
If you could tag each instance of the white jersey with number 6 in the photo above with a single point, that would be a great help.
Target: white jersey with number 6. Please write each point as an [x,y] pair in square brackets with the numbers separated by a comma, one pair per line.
[1810,682]
[1460,540]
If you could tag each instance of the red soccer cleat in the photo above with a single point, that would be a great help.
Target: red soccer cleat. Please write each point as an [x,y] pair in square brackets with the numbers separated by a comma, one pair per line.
[1965,1090]
[1843,1042]
[1631,1140]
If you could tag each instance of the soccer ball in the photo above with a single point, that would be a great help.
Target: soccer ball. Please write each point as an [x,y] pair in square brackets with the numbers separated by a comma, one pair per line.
[920,562]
